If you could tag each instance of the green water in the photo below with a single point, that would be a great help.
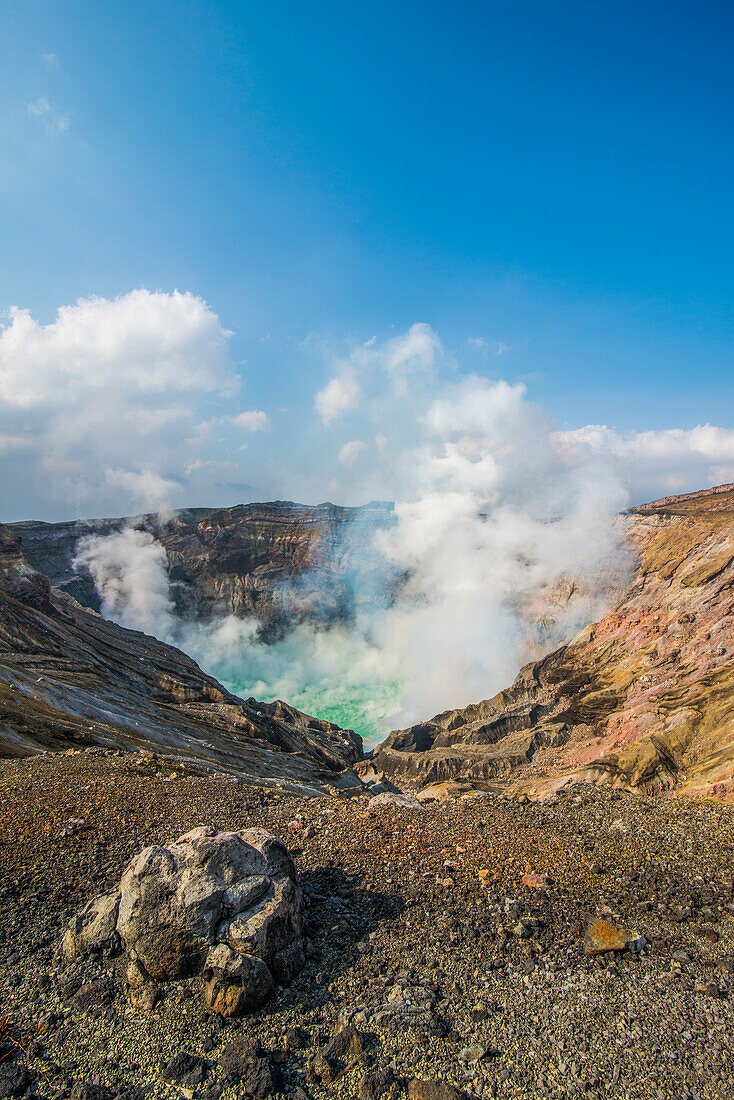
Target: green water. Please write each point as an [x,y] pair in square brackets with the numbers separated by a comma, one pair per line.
[365,708]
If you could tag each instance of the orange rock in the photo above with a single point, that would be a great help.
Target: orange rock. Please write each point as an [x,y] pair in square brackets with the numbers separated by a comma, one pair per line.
[536,881]
[601,935]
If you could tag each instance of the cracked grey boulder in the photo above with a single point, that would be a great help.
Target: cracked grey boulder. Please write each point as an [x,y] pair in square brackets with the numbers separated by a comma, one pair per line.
[226,905]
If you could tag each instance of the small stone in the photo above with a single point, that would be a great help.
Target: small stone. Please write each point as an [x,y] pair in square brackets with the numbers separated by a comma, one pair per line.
[431,1090]
[375,1083]
[347,1041]
[261,1078]
[185,1069]
[237,1057]
[473,1053]
[324,1069]
[296,1038]
[145,998]
[536,881]
[601,935]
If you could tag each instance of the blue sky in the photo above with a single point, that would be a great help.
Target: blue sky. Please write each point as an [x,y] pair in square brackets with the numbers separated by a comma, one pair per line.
[548,186]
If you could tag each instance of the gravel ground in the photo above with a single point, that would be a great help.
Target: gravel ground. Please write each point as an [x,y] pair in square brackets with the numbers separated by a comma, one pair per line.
[422,935]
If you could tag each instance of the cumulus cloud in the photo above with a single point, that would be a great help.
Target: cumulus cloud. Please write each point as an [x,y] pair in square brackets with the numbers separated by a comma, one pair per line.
[658,463]
[253,420]
[96,406]
[351,451]
[142,341]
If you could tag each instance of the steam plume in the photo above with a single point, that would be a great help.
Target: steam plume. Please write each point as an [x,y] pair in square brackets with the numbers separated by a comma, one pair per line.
[509,542]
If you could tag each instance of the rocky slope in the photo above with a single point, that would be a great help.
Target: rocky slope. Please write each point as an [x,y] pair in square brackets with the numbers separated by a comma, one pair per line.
[448,940]
[643,699]
[68,677]
[279,561]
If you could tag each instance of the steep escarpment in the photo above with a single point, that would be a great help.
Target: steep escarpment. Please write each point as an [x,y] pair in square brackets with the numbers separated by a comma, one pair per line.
[70,678]
[644,698]
[280,562]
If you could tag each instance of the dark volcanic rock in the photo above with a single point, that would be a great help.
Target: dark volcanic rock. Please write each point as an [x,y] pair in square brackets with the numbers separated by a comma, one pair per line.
[376,1083]
[14,1079]
[185,1069]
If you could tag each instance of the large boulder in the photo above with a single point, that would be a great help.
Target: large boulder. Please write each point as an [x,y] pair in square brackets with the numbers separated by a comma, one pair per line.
[226,905]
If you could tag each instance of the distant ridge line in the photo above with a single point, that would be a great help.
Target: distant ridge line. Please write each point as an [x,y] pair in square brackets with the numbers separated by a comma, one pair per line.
[678,498]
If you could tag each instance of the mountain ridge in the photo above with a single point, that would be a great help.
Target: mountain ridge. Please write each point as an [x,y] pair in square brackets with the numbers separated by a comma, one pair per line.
[258,559]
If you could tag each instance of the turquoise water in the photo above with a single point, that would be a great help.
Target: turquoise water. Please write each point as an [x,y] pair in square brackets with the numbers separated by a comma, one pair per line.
[365,708]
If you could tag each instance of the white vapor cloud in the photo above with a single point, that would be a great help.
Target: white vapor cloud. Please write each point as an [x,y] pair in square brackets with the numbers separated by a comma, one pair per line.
[129,570]
[351,451]
[505,534]
[405,360]
[492,521]
[54,120]
[416,351]
[338,396]
[252,421]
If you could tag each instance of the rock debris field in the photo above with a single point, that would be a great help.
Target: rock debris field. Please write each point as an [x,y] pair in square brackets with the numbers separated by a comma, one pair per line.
[477,947]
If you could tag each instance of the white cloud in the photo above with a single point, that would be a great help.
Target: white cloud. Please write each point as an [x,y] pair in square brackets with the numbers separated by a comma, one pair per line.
[337,397]
[252,421]
[142,341]
[351,451]
[99,396]
[657,463]
[54,120]
[415,351]
[146,486]
[405,359]
[51,59]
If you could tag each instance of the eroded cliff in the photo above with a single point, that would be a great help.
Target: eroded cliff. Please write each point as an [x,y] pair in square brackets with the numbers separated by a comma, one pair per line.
[70,678]
[644,698]
[280,562]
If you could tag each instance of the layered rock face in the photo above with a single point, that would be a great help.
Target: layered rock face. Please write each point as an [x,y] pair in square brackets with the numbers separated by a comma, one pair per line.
[226,905]
[69,678]
[643,699]
[281,562]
